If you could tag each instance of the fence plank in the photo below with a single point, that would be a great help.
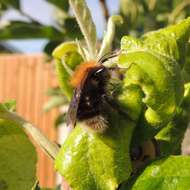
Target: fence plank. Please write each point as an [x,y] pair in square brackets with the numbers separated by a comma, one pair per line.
[26,78]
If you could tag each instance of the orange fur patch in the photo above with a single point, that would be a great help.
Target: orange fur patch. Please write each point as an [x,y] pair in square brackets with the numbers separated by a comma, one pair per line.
[81,72]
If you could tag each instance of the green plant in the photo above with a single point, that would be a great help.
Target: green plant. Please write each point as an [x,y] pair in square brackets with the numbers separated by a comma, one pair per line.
[152,101]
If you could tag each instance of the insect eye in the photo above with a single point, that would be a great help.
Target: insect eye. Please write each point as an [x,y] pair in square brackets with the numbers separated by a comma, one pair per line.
[99,72]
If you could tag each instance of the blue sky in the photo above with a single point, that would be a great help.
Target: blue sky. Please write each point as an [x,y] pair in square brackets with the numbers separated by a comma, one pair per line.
[40,10]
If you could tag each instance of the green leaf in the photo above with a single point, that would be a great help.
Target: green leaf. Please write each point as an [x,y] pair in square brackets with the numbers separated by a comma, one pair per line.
[165,174]
[61,4]
[153,67]
[9,105]
[171,136]
[130,100]
[186,68]
[171,42]
[54,102]
[89,160]
[10,3]
[67,52]
[54,91]
[186,99]
[18,158]
[60,119]
[72,30]
[63,78]
[24,30]
[64,48]
[49,147]
[3,108]
[50,46]
[86,24]
[162,91]
[181,33]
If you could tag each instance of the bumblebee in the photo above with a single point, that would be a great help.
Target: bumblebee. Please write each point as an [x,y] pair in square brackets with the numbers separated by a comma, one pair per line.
[90,91]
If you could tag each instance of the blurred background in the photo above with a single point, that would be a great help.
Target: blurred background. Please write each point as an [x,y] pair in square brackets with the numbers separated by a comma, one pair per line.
[45,13]
[39,25]
[30,30]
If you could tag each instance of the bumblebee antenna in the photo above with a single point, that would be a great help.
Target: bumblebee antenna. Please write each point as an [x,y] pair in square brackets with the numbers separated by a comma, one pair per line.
[107,56]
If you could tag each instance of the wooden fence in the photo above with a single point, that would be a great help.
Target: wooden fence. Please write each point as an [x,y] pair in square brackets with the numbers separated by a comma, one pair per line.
[26,79]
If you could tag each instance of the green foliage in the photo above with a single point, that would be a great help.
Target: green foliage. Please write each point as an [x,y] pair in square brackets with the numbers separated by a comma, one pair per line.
[171,136]
[151,94]
[146,96]
[86,24]
[167,173]
[141,16]
[67,58]
[9,4]
[14,30]
[153,99]
[162,93]
[9,106]
[61,119]
[146,15]
[89,160]
[18,158]
[55,101]
[61,4]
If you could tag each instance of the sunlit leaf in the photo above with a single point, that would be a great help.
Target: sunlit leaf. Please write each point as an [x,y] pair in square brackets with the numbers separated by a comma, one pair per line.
[170,137]
[153,65]
[169,173]
[89,160]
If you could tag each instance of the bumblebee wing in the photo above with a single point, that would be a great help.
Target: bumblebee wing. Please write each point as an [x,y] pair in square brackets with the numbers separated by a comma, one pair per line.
[73,108]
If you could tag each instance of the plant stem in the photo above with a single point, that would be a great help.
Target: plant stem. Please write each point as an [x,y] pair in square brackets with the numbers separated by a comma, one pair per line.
[105,9]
